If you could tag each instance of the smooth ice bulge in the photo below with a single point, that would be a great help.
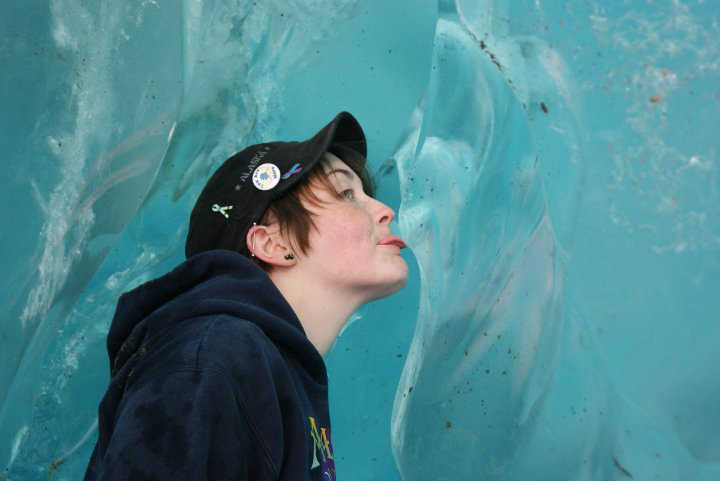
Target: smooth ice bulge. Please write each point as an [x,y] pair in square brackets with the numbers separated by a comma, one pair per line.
[505,378]
[485,347]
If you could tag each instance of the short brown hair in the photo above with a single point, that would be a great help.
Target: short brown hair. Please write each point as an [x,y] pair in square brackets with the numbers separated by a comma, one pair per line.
[289,212]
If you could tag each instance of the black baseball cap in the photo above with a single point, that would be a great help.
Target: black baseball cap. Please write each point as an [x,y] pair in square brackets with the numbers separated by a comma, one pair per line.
[242,188]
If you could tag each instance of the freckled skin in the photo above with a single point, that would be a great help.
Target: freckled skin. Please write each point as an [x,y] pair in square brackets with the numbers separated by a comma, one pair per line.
[345,248]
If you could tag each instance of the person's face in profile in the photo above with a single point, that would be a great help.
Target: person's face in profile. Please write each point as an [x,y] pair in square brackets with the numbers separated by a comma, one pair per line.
[345,249]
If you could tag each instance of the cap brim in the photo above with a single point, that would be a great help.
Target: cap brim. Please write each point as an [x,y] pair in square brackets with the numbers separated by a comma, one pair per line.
[344,129]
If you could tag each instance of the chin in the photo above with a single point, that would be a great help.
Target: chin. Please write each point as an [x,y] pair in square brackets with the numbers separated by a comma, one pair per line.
[402,279]
[393,286]
[399,286]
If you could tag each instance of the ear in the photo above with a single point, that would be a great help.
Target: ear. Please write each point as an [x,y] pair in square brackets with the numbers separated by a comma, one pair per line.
[269,246]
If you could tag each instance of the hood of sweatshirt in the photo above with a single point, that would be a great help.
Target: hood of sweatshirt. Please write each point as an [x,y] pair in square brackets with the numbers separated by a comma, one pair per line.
[173,406]
[212,282]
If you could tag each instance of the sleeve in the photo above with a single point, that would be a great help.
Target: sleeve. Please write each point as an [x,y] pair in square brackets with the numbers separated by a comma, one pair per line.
[187,425]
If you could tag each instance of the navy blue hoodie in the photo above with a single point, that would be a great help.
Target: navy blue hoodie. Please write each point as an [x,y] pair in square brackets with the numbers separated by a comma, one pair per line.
[212,378]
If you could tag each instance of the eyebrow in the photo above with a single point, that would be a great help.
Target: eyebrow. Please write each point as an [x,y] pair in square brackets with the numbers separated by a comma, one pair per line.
[343,171]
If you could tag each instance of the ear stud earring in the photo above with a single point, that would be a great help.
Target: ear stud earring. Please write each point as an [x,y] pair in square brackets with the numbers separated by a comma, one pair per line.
[252,252]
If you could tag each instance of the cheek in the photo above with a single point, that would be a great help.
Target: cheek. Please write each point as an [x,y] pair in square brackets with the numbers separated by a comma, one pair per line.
[348,234]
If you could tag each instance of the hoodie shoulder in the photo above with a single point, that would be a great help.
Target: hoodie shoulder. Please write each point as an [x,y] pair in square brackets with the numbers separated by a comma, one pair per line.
[265,384]
[234,344]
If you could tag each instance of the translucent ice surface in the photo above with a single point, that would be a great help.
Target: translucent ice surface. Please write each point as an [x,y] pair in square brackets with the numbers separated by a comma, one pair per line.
[507,376]
[554,166]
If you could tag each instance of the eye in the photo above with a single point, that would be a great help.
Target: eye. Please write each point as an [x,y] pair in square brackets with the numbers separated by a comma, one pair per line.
[348,194]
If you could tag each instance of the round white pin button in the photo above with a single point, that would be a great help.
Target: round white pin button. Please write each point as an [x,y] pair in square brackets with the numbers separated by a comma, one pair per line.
[266,176]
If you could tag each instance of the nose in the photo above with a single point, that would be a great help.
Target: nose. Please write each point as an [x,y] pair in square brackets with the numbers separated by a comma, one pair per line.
[384,214]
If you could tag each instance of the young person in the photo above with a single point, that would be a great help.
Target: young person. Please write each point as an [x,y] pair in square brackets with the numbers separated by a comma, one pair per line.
[216,367]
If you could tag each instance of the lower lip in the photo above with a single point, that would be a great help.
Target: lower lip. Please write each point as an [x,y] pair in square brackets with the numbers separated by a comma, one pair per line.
[391,245]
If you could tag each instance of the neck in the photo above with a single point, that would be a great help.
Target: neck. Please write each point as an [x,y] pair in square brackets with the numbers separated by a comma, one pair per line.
[322,310]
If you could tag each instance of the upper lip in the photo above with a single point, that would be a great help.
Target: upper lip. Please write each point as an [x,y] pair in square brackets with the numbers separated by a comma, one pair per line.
[393,240]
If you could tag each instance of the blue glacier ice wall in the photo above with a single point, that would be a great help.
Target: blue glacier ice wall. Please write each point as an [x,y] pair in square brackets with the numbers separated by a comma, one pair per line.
[556,177]
[514,372]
